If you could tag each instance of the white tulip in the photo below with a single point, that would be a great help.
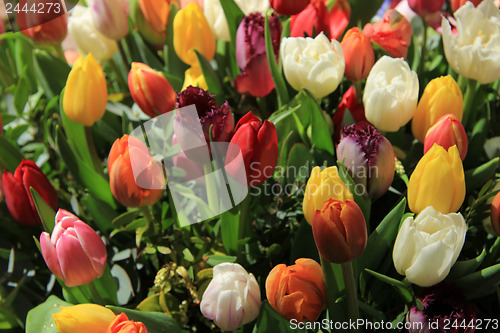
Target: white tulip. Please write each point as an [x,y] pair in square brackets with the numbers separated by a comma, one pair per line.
[232,298]
[216,19]
[391,94]
[252,6]
[88,39]
[427,247]
[475,51]
[313,64]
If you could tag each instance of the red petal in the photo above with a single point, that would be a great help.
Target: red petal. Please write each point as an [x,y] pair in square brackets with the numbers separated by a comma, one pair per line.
[256,79]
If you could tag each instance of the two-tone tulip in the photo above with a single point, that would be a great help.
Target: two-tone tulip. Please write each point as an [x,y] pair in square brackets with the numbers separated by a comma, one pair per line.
[392,33]
[448,131]
[136,179]
[232,298]
[256,78]
[150,90]
[121,324]
[323,185]
[150,18]
[369,158]
[424,7]
[427,246]
[86,93]
[438,180]
[83,318]
[45,27]
[339,231]
[473,51]
[111,17]
[192,32]
[16,190]
[258,142]
[86,36]
[313,64]
[358,55]
[74,252]
[289,7]
[391,93]
[441,96]
[297,291]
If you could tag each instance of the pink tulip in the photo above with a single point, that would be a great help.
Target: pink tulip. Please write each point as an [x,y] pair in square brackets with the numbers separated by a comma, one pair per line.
[74,252]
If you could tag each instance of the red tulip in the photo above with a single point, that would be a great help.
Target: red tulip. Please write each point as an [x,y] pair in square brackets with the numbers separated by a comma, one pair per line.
[338,18]
[392,33]
[358,55]
[448,131]
[339,231]
[423,7]
[18,196]
[123,181]
[255,78]
[74,252]
[47,27]
[259,146]
[355,106]
[289,7]
[150,90]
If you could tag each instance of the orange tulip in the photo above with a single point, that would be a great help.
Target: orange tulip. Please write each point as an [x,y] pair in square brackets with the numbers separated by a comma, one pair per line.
[495,215]
[358,55]
[121,324]
[297,291]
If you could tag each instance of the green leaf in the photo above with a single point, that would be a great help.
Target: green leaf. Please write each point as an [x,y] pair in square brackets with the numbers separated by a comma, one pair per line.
[234,15]
[155,322]
[482,283]
[213,82]
[51,72]
[230,230]
[147,56]
[476,178]
[10,157]
[462,268]
[318,132]
[47,215]
[303,244]
[102,213]
[40,318]
[21,95]
[271,321]
[301,159]
[125,218]
[278,79]
[404,290]
[216,259]
[106,286]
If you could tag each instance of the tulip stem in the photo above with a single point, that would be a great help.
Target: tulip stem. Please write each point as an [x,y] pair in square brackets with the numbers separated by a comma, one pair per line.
[93,151]
[123,55]
[470,92]
[118,73]
[60,52]
[331,287]
[210,187]
[424,51]
[351,294]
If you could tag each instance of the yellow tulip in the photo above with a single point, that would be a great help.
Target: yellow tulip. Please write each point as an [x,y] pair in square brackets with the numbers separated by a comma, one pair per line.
[83,318]
[192,32]
[441,96]
[322,186]
[194,77]
[86,94]
[438,181]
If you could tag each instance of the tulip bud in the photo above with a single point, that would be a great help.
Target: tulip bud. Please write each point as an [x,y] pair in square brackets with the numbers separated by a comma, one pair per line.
[17,192]
[427,246]
[121,324]
[358,55]
[298,291]
[424,7]
[151,17]
[392,33]
[339,231]
[216,19]
[150,90]
[74,252]
[259,146]
[45,27]
[87,37]
[441,96]
[391,94]
[192,32]
[495,216]
[313,64]
[322,186]
[473,50]
[232,298]
[110,17]
[289,7]
[369,158]
[194,77]
[86,93]
[256,78]
[455,4]
[124,177]
[438,180]
[83,318]
[447,131]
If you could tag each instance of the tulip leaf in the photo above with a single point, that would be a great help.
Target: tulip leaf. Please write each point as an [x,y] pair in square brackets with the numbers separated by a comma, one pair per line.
[46,213]
[234,15]
[301,159]
[271,321]
[216,259]
[481,283]
[213,82]
[279,81]
[106,287]
[51,72]
[21,95]
[363,203]
[40,320]
[476,178]
[102,213]
[155,322]
[10,157]
[404,290]
[462,268]
[147,56]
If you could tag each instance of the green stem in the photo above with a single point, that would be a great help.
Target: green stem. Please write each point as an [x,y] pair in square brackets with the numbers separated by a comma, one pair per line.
[93,151]
[60,52]
[96,297]
[331,286]
[351,294]
[358,90]
[245,227]
[211,188]
[146,213]
[119,76]
[123,55]
[470,92]
[424,51]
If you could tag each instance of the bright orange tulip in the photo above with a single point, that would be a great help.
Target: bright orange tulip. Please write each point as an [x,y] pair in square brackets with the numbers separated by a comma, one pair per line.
[358,55]
[121,324]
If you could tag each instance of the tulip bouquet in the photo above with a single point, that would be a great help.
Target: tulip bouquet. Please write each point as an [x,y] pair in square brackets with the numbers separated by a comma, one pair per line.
[250,166]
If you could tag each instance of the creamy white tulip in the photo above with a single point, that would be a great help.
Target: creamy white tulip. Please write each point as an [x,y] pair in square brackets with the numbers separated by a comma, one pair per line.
[216,19]
[427,247]
[88,39]
[475,51]
[253,6]
[232,298]
[313,64]
[391,94]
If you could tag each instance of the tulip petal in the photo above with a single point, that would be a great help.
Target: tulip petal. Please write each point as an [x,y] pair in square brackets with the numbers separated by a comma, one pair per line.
[17,201]
[355,227]
[229,314]
[83,318]
[93,246]
[49,254]
[256,79]
[272,284]
[326,233]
